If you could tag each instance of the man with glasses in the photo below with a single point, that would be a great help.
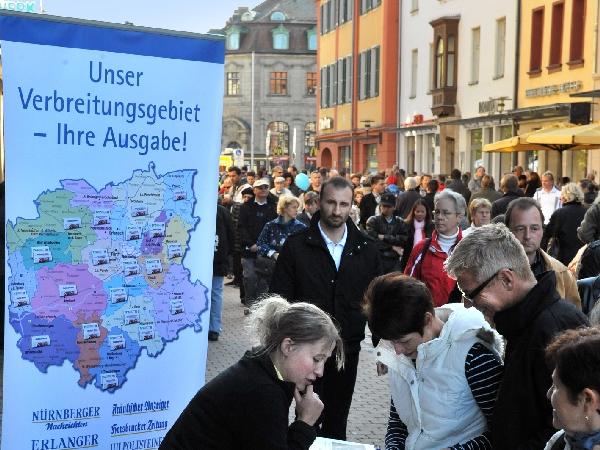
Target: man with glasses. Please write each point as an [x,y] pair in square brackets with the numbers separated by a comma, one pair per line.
[525,220]
[493,273]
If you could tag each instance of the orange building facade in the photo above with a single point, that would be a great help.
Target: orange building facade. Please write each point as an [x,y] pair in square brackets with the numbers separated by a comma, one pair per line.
[358,76]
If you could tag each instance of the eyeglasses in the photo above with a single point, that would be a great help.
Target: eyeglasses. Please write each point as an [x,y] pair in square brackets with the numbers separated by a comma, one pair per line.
[470,296]
[443,212]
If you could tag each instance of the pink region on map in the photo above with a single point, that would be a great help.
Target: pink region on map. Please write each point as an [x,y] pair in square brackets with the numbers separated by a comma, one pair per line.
[177,286]
[88,299]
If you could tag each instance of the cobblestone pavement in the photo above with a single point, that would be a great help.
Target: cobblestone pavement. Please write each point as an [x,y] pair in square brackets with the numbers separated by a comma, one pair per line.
[370,405]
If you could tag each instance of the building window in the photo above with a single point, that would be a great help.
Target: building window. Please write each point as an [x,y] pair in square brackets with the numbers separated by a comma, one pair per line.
[368,5]
[278,134]
[278,83]
[476,146]
[311,83]
[368,70]
[346,158]
[310,132]
[311,37]
[346,10]
[475,40]
[414,57]
[577,32]
[439,65]
[372,165]
[432,59]
[556,35]
[332,88]
[500,48]
[277,16]
[348,79]
[450,61]
[537,39]
[233,83]
[233,40]
[281,38]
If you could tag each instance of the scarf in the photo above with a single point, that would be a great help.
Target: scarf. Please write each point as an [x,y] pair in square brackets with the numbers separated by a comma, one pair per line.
[419,231]
[582,441]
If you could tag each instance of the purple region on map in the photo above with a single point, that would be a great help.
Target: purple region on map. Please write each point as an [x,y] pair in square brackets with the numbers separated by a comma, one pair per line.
[61,345]
[178,287]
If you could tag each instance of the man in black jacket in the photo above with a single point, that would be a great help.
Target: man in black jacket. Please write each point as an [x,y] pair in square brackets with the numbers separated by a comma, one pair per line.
[223,248]
[330,264]
[368,204]
[253,217]
[493,273]
[456,184]
[509,185]
[390,233]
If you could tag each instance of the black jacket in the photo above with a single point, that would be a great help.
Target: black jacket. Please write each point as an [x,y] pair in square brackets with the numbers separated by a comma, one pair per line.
[461,188]
[368,206]
[394,233]
[523,414]
[563,226]
[244,407]
[501,205]
[224,240]
[405,202]
[253,218]
[305,271]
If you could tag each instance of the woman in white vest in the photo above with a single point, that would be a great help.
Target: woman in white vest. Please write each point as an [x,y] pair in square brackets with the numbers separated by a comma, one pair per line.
[444,366]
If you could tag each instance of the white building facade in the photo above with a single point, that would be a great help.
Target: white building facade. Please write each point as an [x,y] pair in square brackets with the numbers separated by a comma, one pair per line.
[457,84]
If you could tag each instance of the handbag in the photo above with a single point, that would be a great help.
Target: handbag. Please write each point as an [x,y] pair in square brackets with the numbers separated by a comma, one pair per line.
[264,266]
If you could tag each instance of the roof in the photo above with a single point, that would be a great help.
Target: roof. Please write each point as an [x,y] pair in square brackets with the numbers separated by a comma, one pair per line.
[299,11]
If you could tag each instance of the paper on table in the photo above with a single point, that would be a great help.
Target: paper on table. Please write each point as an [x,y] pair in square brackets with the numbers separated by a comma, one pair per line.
[331,444]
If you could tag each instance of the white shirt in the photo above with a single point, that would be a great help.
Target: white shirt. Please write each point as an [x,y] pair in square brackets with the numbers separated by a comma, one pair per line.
[549,201]
[335,249]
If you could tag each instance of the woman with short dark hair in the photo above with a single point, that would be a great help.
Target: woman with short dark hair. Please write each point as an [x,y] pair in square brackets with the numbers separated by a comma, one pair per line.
[575,390]
[443,364]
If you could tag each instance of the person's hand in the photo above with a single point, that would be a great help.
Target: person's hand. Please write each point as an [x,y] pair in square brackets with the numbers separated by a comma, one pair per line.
[381,369]
[254,248]
[308,405]
[275,256]
[596,447]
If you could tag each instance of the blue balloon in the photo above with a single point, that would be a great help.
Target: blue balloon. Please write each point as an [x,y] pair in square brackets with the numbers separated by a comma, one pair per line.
[302,181]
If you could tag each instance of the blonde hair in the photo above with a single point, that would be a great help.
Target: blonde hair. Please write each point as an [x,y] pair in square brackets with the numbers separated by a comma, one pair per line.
[478,203]
[285,201]
[274,319]
[571,192]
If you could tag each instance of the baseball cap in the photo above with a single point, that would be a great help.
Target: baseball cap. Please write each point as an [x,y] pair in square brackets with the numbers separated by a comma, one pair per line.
[261,182]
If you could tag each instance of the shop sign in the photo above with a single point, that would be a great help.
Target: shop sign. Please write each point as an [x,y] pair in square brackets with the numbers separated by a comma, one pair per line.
[325,123]
[570,86]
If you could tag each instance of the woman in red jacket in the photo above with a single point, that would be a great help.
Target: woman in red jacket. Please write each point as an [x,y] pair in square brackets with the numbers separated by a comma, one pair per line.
[426,261]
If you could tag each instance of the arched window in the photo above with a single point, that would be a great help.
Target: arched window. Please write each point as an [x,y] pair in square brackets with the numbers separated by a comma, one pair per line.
[277,16]
[439,64]
[310,131]
[278,137]
[281,38]
[233,37]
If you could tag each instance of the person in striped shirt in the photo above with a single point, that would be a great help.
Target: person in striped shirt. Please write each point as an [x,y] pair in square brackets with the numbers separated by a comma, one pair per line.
[444,366]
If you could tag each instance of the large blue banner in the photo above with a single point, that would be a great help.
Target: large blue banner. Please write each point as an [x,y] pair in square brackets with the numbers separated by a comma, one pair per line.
[112,139]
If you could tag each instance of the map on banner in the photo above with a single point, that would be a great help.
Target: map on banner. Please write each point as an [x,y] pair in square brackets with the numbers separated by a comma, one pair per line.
[98,277]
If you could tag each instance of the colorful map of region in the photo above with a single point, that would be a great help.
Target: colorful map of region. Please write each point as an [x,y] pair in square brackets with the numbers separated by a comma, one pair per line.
[98,277]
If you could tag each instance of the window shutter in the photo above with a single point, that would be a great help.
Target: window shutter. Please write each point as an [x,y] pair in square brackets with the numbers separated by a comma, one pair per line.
[349,69]
[322,17]
[374,91]
[350,9]
[367,72]
[361,83]
[340,81]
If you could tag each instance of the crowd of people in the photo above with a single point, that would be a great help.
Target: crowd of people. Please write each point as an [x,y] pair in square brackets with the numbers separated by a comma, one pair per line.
[479,302]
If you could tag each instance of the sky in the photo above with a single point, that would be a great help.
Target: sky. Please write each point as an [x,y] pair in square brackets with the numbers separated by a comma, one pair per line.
[197,16]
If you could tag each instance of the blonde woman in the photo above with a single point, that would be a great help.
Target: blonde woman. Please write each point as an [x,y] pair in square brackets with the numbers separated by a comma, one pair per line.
[559,235]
